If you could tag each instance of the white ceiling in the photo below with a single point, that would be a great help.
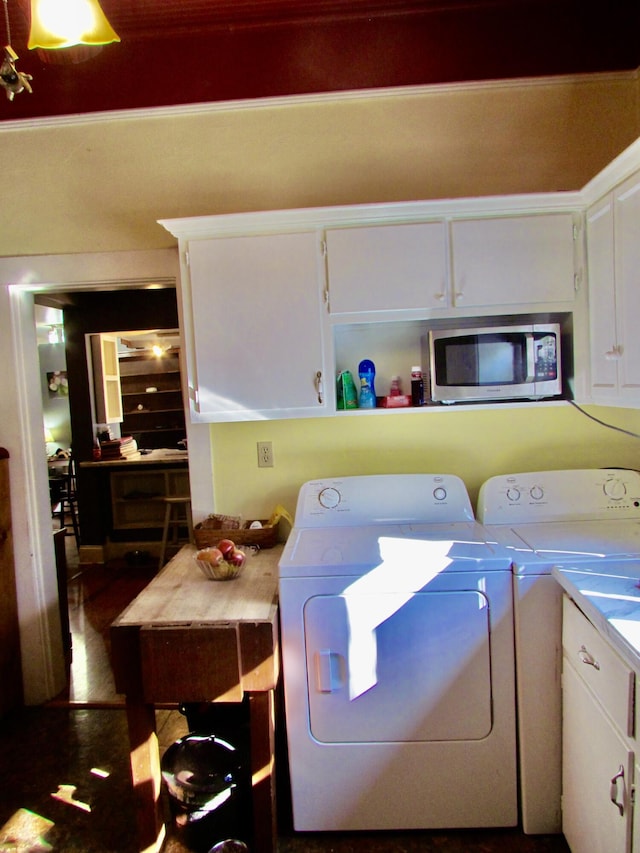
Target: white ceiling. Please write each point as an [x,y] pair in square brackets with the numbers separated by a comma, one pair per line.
[100,182]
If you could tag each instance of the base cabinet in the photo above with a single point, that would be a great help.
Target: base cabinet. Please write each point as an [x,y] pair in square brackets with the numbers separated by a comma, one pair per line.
[635,833]
[594,755]
[598,748]
[137,497]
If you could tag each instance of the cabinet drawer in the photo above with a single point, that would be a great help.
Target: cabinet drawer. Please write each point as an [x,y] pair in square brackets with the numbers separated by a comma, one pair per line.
[597,664]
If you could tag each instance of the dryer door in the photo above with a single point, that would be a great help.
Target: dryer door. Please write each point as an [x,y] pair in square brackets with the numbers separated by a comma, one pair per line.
[389,667]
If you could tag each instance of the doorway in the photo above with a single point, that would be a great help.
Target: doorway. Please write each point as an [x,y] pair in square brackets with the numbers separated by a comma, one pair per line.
[43,659]
[94,589]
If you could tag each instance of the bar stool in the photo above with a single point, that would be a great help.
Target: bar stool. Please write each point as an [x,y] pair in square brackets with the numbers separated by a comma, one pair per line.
[177,514]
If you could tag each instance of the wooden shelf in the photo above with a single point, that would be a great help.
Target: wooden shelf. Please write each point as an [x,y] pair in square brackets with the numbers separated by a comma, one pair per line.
[137,496]
[160,422]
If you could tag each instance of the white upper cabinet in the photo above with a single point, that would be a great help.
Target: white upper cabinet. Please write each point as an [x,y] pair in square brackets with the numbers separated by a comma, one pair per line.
[517,260]
[384,268]
[252,307]
[497,261]
[274,304]
[613,251]
[602,301]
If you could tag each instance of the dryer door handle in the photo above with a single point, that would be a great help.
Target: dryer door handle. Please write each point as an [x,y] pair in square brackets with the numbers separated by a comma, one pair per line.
[328,677]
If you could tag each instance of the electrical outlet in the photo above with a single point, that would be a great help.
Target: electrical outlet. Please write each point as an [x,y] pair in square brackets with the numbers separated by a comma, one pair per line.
[265,454]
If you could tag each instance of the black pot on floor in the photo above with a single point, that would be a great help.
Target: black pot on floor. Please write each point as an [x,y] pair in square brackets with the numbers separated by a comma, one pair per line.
[202,775]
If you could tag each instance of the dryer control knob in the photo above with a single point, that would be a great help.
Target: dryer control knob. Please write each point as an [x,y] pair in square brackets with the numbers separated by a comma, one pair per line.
[615,489]
[329,498]
[536,493]
[440,493]
[513,494]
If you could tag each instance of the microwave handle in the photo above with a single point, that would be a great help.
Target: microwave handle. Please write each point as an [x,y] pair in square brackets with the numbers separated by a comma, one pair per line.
[531,357]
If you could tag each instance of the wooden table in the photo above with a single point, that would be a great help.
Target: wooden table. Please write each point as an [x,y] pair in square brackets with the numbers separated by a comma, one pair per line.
[189,639]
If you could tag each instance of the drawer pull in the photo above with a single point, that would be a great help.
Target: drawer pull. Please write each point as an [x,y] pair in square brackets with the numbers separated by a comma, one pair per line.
[613,791]
[587,658]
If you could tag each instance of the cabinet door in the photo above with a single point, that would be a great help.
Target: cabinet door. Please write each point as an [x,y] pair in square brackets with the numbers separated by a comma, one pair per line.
[635,834]
[604,352]
[613,252]
[387,267]
[106,377]
[627,268]
[255,305]
[596,767]
[513,260]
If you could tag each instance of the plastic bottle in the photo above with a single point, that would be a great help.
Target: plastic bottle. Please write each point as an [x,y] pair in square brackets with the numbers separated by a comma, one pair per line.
[395,390]
[417,386]
[346,391]
[367,373]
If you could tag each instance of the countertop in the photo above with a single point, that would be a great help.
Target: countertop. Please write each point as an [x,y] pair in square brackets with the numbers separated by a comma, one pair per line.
[181,594]
[162,456]
[608,593]
[189,639]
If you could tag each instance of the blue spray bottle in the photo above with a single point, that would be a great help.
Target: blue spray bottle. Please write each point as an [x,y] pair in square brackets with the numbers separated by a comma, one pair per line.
[367,373]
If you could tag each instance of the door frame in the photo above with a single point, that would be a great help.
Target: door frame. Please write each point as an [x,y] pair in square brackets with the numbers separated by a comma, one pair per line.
[44,673]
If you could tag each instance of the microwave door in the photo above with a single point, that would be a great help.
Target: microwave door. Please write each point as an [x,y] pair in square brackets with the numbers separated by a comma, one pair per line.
[530,345]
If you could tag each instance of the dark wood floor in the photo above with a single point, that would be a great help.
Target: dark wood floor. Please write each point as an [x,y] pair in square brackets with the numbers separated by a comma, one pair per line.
[97,594]
[85,728]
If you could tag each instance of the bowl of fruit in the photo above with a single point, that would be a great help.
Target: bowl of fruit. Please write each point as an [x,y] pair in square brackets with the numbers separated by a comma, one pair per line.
[224,561]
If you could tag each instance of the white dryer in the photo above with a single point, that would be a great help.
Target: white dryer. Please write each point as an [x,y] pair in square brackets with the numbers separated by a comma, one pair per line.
[548,518]
[397,649]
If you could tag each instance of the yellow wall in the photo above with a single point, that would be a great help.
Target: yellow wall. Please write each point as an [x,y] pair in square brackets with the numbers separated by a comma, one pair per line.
[472,444]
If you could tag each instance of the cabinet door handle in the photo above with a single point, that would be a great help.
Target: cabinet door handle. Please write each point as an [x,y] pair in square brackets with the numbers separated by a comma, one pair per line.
[319,387]
[613,791]
[614,353]
[438,296]
[587,658]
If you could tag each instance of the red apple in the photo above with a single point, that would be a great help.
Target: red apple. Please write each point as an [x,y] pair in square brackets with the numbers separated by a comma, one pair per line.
[237,558]
[226,546]
[210,555]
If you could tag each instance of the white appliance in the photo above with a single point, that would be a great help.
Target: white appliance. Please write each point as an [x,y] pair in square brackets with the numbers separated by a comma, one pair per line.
[548,518]
[520,361]
[397,648]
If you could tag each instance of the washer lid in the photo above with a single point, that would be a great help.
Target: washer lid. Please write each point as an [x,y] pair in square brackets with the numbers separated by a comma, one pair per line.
[356,550]
[538,547]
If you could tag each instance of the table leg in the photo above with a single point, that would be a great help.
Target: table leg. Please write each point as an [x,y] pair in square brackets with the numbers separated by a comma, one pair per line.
[145,775]
[262,724]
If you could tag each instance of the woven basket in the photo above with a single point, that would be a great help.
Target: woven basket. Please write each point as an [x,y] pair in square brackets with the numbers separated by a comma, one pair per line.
[207,535]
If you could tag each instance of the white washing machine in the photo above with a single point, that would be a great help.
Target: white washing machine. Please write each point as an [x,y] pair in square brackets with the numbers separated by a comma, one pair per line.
[548,518]
[398,657]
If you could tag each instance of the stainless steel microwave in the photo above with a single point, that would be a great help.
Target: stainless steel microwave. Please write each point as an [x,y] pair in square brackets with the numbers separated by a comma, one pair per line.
[515,362]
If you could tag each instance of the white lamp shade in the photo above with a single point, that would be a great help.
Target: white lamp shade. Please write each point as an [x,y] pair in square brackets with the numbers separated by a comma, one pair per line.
[65,23]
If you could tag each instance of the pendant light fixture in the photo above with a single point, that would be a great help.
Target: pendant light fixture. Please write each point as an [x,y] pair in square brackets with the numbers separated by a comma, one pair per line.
[12,80]
[64,23]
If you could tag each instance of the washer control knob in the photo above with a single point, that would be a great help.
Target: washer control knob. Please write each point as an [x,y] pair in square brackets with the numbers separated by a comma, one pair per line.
[615,489]
[513,494]
[440,493]
[536,493]
[329,498]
